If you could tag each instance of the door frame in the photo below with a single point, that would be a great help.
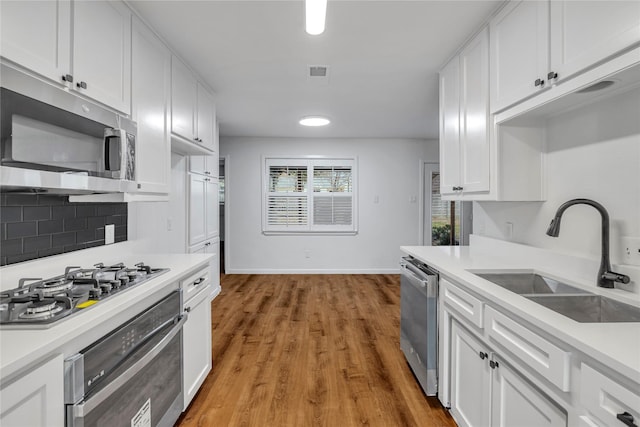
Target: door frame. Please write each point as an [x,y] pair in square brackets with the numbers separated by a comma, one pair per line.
[227,218]
[425,199]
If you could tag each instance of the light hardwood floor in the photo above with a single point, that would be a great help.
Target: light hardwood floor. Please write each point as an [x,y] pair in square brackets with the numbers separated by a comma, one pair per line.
[310,350]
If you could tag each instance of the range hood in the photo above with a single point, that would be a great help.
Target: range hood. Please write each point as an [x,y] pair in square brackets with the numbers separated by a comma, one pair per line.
[51,140]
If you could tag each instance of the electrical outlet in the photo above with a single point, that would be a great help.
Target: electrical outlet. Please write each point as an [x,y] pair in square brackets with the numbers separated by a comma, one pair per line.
[109,234]
[631,250]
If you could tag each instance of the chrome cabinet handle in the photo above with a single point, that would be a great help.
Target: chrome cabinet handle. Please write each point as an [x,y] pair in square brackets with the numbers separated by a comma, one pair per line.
[67,78]
[539,82]
[552,75]
[187,309]
[82,85]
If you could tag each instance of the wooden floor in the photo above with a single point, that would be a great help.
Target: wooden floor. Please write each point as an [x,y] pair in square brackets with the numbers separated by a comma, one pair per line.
[310,350]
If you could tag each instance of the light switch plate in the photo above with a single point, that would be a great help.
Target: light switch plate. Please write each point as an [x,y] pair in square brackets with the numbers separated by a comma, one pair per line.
[109,234]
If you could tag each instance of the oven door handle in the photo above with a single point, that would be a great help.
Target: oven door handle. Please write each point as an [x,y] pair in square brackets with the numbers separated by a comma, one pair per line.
[83,408]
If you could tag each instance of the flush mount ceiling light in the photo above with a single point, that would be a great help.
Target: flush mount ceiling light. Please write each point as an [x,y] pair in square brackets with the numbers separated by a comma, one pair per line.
[314,121]
[316,12]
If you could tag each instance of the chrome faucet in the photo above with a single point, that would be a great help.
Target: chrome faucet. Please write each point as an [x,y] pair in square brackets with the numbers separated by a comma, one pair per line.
[606,277]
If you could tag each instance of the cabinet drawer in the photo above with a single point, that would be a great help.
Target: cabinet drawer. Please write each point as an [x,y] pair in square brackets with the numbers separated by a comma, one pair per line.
[605,398]
[545,358]
[194,283]
[463,303]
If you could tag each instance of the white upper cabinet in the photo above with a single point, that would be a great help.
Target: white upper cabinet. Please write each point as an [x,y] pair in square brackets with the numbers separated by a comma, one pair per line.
[519,52]
[205,125]
[586,32]
[536,44]
[183,100]
[46,50]
[151,80]
[96,61]
[192,108]
[474,114]
[464,115]
[450,127]
[102,52]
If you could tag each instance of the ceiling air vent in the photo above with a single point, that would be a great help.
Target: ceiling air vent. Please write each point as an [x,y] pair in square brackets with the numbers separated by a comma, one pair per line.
[317,71]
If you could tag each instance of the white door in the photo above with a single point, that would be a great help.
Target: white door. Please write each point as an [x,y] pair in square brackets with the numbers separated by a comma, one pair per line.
[197,209]
[37,35]
[519,51]
[515,402]
[36,399]
[205,118]
[586,32]
[102,52]
[474,104]
[150,94]
[197,344]
[470,379]
[212,209]
[183,100]
[450,127]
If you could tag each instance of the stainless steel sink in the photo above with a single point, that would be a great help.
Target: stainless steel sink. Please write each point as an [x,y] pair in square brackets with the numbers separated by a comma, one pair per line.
[589,308]
[530,284]
[575,303]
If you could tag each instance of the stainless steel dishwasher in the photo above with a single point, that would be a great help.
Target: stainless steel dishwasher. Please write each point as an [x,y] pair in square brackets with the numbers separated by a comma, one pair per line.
[419,321]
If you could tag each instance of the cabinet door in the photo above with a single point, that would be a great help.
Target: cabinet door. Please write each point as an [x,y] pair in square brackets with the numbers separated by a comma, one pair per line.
[36,399]
[37,35]
[196,344]
[450,127]
[212,209]
[519,51]
[150,93]
[586,32]
[205,118]
[515,402]
[474,103]
[197,209]
[183,100]
[102,52]
[470,379]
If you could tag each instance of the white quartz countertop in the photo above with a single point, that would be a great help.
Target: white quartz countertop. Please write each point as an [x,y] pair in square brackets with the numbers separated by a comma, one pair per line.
[20,348]
[616,345]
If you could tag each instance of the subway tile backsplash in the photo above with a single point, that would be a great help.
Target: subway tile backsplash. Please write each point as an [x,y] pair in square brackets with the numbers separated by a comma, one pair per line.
[39,225]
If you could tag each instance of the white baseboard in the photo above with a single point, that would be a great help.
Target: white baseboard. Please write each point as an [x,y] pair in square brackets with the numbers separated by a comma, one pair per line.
[312,271]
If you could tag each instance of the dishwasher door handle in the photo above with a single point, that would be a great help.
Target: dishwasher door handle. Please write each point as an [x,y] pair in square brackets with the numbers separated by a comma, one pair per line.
[428,283]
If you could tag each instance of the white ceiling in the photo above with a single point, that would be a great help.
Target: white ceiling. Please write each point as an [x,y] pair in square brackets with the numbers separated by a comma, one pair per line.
[383,59]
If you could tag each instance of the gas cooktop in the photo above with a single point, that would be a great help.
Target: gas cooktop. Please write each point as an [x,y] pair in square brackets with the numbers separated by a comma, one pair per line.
[38,303]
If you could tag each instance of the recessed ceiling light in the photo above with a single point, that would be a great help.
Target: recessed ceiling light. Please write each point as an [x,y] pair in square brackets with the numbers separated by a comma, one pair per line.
[314,121]
[315,11]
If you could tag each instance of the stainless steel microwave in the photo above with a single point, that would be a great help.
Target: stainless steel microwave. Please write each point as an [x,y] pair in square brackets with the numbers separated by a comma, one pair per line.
[45,128]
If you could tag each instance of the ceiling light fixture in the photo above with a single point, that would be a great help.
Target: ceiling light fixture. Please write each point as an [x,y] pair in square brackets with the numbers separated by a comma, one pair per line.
[316,12]
[314,121]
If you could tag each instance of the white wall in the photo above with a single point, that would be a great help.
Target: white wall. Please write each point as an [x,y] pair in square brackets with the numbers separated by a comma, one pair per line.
[388,169]
[592,152]
[160,227]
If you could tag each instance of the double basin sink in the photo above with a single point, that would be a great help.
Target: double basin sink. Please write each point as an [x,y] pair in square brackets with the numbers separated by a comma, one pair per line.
[575,303]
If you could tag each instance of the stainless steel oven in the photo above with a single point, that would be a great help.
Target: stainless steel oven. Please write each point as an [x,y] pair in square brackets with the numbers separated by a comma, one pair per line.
[132,376]
[419,321]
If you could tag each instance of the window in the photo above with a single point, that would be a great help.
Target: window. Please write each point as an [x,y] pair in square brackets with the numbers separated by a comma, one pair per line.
[309,195]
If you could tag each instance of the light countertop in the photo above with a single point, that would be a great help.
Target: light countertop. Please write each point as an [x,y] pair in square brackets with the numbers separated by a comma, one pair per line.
[616,345]
[19,348]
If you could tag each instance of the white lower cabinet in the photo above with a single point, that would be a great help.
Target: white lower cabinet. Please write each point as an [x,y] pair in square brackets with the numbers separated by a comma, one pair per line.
[35,399]
[607,400]
[486,391]
[470,379]
[196,333]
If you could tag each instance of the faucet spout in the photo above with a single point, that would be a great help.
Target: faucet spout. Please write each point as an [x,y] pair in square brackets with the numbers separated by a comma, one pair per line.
[606,277]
